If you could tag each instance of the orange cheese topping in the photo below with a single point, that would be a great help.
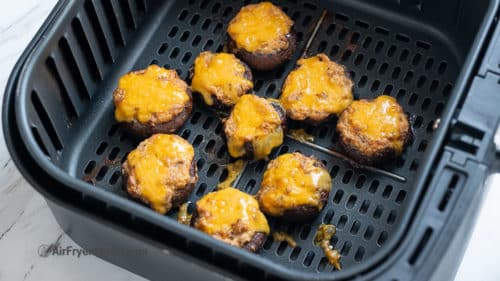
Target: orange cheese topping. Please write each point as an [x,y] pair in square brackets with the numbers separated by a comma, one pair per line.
[380,118]
[255,120]
[157,167]
[154,95]
[292,180]
[231,216]
[318,88]
[221,75]
[233,171]
[261,28]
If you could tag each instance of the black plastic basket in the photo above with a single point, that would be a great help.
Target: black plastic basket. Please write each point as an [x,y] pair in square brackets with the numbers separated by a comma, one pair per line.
[432,56]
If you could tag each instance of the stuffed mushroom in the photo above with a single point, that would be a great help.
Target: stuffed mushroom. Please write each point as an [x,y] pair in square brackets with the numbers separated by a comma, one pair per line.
[372,131]
[151,101]
[295,187]
[262,35]
[161,172]
[254,128]
[231,216]
[221,79]
[316,90]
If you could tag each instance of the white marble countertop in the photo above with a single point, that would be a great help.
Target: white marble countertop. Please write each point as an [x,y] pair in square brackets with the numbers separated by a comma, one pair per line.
[26,222]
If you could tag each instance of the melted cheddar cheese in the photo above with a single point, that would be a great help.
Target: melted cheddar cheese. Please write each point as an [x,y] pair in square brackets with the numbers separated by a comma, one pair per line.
[231,216]
[261,28]
[323,236]
[290,181]
[154,95]
[381,118]
[254,120]
[221,75]
[233,171]
[318,88]
[157,167]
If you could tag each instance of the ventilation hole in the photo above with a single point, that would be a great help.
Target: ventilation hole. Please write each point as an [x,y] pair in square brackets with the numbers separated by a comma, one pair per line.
[102,172]
[368,233]
[359,254]
[334,171]
[381,30]
[414,165]
[211,171]
[402,37]
[362,24]
[218,27]
[270,90]
[86,48]
[281,248]
[396,72]
[338,196]
[127,14]
[182,16]
[351,201]
[343,33]
[422,146]
[334,51]
[355,37]
[102,147]
[342,221]
[115,177]
[379,46]
[429,63]
[195,118]
[442,67]
[74,69]
[361,181]
[421,246]
[204,4]
[401,93]
[194,19]
[409,76]
[391,51]
[362,81]
[46,121]
[347,54]
[358,60]
[404,55]
[371,64]
[374,186]
[331,29]
[449,192]
[387,191]
[341,17]
[209,148]
[416,59]
[439,109]
[201,189]
[196,41]
[208,122]
[382,238]
[309,258]
[375,86]
[68,105]
[114,153]
[388,89]
[378,212]
[346,248]
[391,219]
[413,99]
[163,49]
[198,140]
[347,177]
[367,42]
[401,196]
[426,103]
[418,122]
[306,229]
[96,26]
[355,227]
[364,206]
[322,264]
[424,45]
[295,253]
[328,216]
[208,45]
[200,163]
[322,46]
[185,134]
[447,90]
[90,167]
[111,15]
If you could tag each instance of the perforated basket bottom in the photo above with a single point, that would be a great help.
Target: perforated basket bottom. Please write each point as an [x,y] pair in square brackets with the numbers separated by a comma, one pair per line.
[382,57]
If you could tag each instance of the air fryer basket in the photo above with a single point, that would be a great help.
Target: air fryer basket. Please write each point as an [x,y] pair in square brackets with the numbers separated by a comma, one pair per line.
[411,50]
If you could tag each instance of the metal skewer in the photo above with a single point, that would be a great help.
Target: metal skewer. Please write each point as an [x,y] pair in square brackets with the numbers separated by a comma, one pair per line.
[314,33]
